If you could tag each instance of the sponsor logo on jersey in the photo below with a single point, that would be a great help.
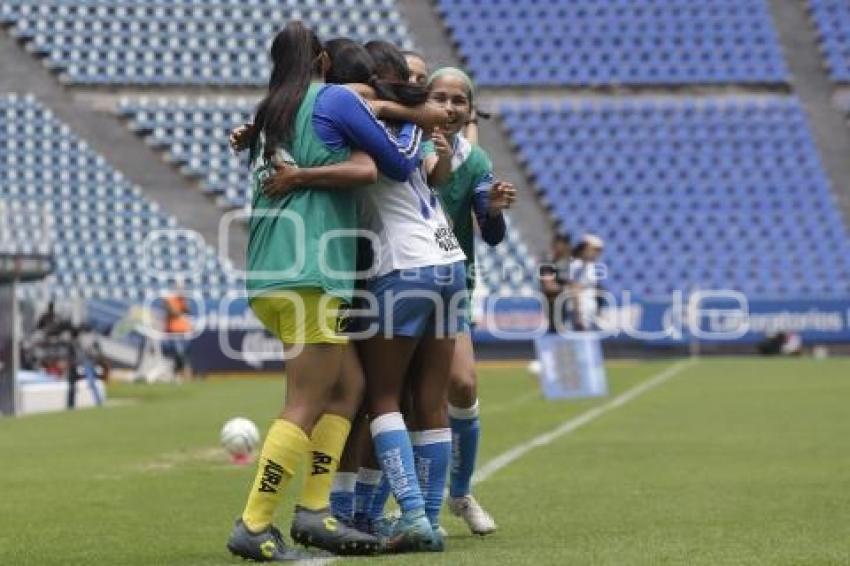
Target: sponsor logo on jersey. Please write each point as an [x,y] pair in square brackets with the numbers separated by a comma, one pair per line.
[343,318]
[446,239]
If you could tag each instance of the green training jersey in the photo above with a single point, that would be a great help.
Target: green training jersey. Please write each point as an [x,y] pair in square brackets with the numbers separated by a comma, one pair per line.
[472,172]
[285,244]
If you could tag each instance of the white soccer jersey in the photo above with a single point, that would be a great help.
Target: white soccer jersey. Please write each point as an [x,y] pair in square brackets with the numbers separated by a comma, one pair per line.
[584,275]
[409,224]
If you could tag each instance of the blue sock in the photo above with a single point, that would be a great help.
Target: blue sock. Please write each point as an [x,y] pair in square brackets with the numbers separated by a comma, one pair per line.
[364,490]
[395,454]
[342,495]
[466,430]
[432,450]
[379,499]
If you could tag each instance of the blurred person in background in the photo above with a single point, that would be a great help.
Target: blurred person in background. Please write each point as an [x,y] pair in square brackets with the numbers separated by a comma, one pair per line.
[585,283]
[555,278]
[178,328]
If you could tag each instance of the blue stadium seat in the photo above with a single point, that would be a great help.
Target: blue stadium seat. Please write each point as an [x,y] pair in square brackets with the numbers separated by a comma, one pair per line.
[158,42]
[831,19]
[630,42]
[57,196]
[718,193]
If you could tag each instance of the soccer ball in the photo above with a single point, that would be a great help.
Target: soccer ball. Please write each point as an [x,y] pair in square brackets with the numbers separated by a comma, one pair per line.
[240,438]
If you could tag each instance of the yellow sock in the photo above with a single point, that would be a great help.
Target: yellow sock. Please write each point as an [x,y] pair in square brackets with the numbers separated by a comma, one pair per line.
[284,448]
[327,443]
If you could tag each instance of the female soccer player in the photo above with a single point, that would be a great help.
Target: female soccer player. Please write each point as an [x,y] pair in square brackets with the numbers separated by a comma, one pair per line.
[298,285]
[469,190]
[419,299]
[418,67]
[419,75]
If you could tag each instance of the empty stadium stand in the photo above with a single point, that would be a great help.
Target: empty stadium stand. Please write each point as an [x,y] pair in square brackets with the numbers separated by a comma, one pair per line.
[831,19]
[108,241]
[182,42]
[193,133]
[629,42]
[711,193]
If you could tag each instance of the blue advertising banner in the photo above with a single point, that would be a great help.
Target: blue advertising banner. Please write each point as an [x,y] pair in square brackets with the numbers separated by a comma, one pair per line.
[232,339]
[705,316]
[229,338]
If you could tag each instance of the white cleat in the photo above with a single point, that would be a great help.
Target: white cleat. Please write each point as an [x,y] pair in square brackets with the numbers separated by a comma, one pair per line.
[476,518]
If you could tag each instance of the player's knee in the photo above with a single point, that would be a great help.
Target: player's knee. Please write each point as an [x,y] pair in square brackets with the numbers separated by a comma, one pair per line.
[432,415]
[303,415]
[463,389]
[354,393]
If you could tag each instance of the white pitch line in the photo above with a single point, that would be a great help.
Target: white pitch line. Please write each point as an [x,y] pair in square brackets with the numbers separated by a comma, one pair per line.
[489,409]
[507,458]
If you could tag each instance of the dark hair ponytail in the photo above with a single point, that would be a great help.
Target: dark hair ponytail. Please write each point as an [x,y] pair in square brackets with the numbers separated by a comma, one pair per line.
[296,58]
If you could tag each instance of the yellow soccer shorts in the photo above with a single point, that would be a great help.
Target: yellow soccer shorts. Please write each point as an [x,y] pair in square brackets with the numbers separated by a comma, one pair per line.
[305,315]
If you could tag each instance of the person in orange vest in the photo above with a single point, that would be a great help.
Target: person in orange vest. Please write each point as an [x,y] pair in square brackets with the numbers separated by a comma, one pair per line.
[178,326]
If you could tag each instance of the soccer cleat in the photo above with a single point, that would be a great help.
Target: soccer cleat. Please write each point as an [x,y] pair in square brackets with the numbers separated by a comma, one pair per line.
[414,533]
[322,530]
[382,528]
[265,546]
[476,518]
[361,522]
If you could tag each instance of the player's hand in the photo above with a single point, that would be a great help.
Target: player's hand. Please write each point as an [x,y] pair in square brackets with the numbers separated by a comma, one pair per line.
[436,115]
[239,137]
[441,144]
[502,196]
[282,182]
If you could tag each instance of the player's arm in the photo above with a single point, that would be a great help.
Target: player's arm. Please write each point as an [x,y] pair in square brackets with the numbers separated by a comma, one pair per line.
[489,199]
[438,158]
[342,119]
[427,116]
[357,171]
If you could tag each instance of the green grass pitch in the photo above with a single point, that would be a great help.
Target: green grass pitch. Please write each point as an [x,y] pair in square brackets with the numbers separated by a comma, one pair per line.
[731,461]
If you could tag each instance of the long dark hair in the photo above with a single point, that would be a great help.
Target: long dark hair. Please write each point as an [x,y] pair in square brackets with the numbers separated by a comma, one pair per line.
[391,68]
[350,62]
[296,58]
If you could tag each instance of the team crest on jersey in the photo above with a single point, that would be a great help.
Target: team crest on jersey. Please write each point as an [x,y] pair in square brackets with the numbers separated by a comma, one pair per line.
[343,318]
